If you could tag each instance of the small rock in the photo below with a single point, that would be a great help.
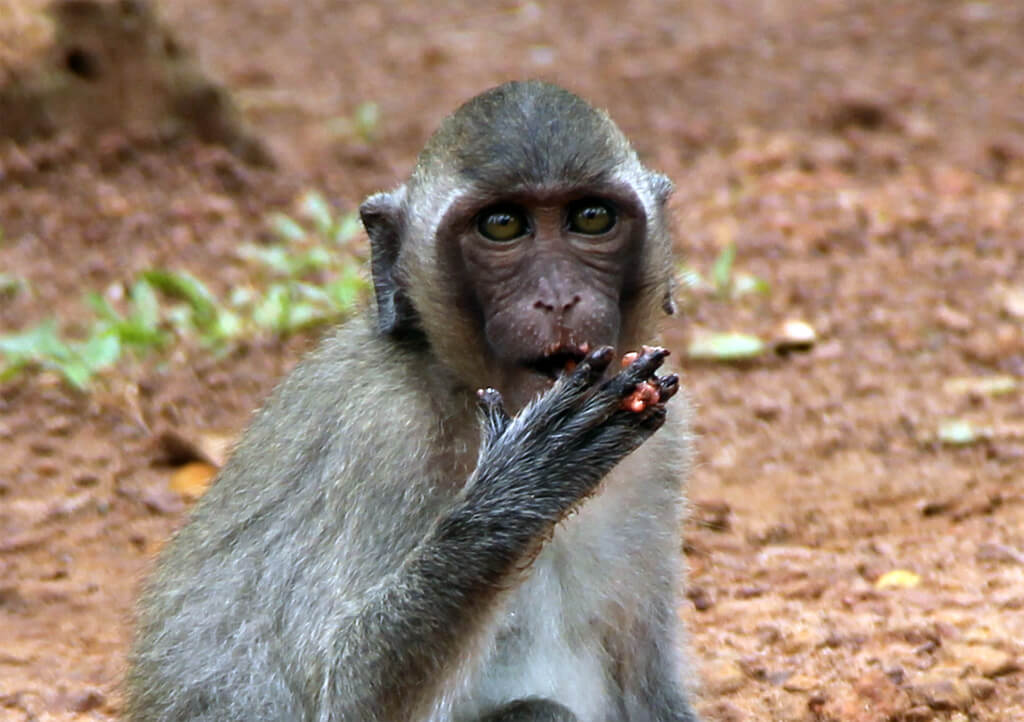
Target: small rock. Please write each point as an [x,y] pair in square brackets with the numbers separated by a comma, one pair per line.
[799,639]
[1013,302]
[919,713]
[941,690]
[766,409]
[724,711]
[702,600]
[723,677]
[713,514]
[800,683]
[47,469]
[795,335]
[981,659]
[58,425]
[992,552]
[87,479]
[873,697]
[162,501]
[981,688]
[85,700]
[952,319]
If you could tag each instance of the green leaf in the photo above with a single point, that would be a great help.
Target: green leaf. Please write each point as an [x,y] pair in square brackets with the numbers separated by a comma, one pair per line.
[745,283]
[190,289]
[276,257]
[348,228]
[348,290]
[103,308]
[721,272]
[229,325]
[147,305]
[272,311]
[314,207]
[100,352]
[315,258]
[75,373]
[38,342]
[304,315]
[242,296]
[365,120]
[287,228]
[726,347]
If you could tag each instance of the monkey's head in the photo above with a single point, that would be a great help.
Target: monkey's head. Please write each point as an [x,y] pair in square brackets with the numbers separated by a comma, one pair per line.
[528,232]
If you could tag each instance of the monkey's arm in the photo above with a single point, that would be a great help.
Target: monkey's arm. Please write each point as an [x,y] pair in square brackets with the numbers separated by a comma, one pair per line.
[418,623]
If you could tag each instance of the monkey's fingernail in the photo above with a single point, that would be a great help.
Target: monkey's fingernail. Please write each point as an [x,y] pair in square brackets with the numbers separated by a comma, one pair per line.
[600,356]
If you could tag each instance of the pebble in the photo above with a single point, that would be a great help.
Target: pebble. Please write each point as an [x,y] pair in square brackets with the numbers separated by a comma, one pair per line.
[874,697]
[795,335]
[722,676]
[982,659]
[85,700]
[799,639]
[941,689]
[800,683]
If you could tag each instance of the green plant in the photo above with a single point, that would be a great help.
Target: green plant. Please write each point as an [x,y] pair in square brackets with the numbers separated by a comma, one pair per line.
[315,277]
[42,346]
[311,276]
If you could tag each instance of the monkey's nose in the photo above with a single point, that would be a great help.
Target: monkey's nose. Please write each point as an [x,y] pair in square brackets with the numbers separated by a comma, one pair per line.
[556,305]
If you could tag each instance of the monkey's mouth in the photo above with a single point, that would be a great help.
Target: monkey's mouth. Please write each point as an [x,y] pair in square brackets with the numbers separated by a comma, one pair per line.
[556,359]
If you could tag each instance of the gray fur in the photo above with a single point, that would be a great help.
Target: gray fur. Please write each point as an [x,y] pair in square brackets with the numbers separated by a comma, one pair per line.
[379,549]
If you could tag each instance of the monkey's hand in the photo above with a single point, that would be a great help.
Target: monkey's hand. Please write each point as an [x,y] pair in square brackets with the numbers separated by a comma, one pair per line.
[556,451]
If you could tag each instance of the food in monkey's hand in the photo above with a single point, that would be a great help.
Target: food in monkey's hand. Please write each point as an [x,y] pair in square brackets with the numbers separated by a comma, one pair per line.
[646,393]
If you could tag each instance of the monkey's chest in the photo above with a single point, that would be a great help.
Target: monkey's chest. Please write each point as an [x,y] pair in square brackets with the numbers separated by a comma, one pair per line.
[560,634]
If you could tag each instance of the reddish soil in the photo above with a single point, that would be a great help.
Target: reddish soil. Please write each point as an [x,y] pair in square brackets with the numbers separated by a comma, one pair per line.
[866,157]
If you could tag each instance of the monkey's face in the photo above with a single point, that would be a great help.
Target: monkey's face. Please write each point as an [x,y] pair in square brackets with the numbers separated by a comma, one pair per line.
[528,231]
[545,277]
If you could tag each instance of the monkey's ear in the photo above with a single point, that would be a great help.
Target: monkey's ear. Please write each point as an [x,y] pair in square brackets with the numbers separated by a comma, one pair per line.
[383,217]
[668,303]
[661,187]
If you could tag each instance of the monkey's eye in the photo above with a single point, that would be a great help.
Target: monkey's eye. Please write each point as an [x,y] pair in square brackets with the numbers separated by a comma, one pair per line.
[591,217]
[502,224]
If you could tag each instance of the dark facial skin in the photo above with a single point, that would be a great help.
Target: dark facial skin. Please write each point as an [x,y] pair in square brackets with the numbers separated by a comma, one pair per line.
[545,276]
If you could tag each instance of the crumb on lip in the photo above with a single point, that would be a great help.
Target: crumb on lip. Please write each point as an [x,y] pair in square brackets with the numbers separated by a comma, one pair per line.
[558,358]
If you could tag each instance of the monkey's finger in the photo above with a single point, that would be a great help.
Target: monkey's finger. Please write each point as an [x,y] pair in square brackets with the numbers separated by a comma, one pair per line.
[492,406]
[667,387]
[641,369]
[593,365]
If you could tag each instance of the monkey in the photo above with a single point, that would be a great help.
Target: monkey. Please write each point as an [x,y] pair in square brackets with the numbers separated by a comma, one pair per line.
[456,508]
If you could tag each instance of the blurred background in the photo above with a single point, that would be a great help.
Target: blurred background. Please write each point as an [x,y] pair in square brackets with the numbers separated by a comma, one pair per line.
[177,187]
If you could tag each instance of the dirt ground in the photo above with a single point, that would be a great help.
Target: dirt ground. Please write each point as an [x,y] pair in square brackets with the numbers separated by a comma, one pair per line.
[866,157]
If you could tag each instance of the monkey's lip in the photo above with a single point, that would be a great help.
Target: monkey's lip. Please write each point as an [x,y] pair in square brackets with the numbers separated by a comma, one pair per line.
[557,359]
